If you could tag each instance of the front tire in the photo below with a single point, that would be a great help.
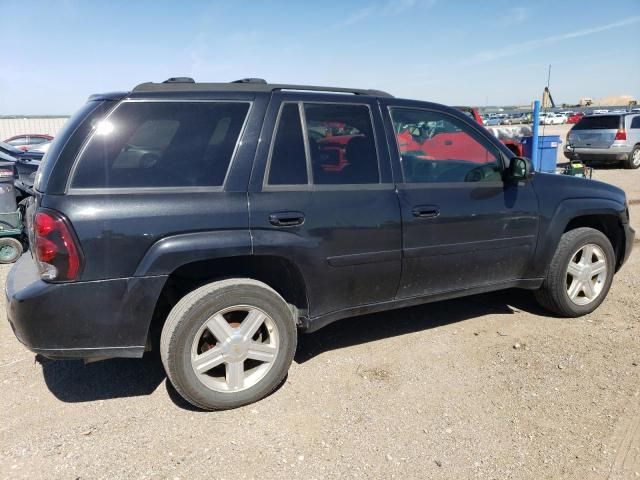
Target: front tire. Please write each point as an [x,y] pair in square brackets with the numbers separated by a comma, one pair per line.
[580,273]
[228,343]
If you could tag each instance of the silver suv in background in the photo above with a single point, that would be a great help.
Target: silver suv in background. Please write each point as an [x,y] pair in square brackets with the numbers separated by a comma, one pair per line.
[605,138]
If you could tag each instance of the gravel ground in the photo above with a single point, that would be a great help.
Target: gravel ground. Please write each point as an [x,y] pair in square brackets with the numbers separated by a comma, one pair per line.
[485,387]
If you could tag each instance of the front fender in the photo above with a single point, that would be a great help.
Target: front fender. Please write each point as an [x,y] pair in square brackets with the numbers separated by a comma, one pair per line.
[553,226]
[170,253]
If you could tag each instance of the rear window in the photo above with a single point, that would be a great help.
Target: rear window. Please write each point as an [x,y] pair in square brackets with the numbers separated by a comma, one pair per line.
[599,122]
[162,144]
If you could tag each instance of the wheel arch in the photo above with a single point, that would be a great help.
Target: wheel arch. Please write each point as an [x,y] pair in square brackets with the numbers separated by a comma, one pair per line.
[277,272]
[609,224]
[604,215]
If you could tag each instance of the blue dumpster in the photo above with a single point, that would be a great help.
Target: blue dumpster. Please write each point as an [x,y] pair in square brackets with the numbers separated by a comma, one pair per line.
[547,152]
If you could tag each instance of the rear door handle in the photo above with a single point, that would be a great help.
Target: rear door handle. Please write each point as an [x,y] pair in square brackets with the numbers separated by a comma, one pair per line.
[426,211]
[286,219]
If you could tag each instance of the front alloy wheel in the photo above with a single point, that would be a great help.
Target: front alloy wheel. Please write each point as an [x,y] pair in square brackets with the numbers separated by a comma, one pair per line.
[580,273]
[586,274]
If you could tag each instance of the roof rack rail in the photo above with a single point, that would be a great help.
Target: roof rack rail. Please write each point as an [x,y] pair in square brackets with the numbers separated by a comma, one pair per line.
[251,80]
[179,80]
[314,88]
[248,85]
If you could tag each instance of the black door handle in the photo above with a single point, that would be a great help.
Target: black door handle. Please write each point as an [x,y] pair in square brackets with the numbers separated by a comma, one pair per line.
[426,211]
[286,219]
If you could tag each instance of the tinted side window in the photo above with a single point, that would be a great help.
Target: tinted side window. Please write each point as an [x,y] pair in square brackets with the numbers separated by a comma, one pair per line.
[288,165]
[341,144]
[437,148]
[37,140]
[635,122]
[162,144]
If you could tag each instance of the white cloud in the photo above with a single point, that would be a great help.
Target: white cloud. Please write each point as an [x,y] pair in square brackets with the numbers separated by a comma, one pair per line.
[358,16]
[519,48]
[385,9]
[516,15]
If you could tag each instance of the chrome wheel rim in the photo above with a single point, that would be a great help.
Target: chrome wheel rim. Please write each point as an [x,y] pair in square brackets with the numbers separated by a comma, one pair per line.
[636,156]
[586,274]
[235,348]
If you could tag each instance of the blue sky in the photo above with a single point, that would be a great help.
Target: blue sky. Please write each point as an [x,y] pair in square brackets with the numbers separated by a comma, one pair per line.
[56,53]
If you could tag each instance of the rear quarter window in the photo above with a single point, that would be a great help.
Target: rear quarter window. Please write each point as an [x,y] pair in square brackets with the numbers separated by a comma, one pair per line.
[162,144]
[599,122]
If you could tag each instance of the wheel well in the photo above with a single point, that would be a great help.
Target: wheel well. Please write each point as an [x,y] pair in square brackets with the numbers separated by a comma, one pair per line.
[607,224]
[277,272]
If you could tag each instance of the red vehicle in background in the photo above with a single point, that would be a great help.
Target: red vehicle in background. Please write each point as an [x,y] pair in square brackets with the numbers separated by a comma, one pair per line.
[28,141]
[471,112]
[575,118]
[513,145]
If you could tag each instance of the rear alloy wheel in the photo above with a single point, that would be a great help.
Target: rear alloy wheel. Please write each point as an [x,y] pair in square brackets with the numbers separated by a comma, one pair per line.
[228,343]
[580,273]
[235,348]
[634,158]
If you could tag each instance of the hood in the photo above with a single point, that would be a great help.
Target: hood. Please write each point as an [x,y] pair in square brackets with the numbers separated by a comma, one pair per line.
[566,186]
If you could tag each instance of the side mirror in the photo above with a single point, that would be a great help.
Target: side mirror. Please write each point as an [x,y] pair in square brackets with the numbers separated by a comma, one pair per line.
[520,168]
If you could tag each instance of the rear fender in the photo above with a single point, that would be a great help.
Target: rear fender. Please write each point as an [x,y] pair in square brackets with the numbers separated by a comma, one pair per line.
[170,253]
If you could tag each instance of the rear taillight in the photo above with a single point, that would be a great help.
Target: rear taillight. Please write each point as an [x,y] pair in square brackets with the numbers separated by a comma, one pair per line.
[621,134]
[55,247]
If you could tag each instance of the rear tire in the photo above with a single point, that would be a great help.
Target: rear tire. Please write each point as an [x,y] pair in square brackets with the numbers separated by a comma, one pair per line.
[228,343]
[633,161]
[580,273]
[10,250]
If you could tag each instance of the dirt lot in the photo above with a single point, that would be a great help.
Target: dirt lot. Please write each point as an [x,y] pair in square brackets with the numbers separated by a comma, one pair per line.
[485,387]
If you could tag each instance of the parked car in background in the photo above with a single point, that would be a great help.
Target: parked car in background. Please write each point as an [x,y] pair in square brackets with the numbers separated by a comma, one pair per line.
[605,138]
[575,118]
[472,113]
[515,119]
[28,141]
[19,153]
[493,121]
[599,112]
[26,165]
[553,119]
[219,224]
[42,148]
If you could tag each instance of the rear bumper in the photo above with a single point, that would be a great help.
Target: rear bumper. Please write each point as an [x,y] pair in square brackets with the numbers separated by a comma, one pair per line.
[613,154]
[104,318]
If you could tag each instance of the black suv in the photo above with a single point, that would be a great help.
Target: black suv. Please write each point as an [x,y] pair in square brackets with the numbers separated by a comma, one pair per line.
[233,216]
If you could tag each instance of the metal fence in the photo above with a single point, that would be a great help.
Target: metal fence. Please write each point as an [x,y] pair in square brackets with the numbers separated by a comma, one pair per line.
[18,126]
